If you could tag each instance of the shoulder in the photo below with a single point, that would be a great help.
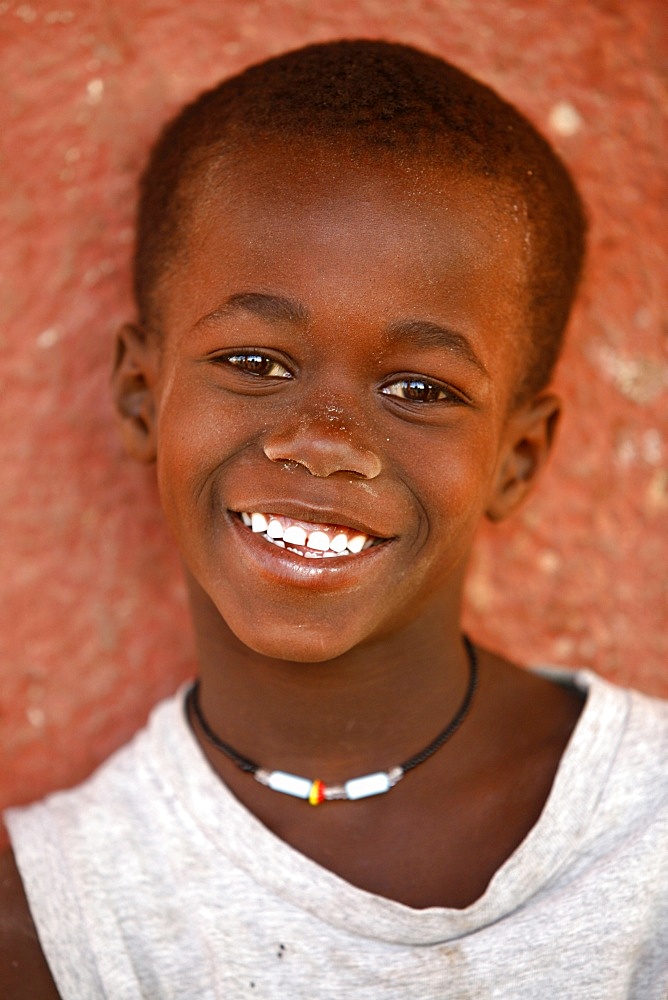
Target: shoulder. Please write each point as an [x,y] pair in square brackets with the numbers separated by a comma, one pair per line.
[635,723]
[640,763]
[24,973]
[638,720]
[618,754]
[648,715]
[613,742]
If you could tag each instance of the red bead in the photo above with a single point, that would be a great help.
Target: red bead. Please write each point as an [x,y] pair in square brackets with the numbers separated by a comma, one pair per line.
[317,793]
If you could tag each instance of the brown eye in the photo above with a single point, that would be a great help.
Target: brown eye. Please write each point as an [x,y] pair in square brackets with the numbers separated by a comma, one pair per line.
[419,390]
[257,364]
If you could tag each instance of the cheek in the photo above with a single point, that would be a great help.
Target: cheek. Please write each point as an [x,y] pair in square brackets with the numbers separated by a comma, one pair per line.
[454,486]
[188,450]
[465,445]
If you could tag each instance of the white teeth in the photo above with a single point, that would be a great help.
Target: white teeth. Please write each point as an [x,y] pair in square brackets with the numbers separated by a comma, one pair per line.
[318,540]
[258,523]
[294,535]
[339,542]
[356,544]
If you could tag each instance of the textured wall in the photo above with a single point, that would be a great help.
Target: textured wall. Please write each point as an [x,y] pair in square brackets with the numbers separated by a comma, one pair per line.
[94,625]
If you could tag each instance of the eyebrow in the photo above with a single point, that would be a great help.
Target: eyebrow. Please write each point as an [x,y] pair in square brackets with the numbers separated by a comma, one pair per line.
[281,309]
[274,308]
[425,333]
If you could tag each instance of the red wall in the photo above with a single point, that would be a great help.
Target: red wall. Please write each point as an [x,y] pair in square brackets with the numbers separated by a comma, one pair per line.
[94,624]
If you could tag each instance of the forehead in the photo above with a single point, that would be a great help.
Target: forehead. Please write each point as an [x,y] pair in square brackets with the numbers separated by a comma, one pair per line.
[345,231]
[295,181]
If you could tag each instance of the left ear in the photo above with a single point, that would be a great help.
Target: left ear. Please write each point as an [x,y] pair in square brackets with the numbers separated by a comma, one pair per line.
[529,436]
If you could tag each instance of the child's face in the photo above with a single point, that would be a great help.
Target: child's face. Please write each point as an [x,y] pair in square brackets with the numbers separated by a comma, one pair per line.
[341,344]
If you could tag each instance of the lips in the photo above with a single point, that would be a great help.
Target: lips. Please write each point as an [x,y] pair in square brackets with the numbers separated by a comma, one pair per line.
[308,539]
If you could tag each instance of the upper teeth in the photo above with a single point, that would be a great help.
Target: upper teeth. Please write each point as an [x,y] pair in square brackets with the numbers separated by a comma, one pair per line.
[323,540]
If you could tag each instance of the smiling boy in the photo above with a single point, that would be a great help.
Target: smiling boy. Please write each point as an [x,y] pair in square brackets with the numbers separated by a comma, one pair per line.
[353,270]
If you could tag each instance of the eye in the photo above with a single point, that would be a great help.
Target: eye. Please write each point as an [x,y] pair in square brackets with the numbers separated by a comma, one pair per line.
[414,389]
[256,364]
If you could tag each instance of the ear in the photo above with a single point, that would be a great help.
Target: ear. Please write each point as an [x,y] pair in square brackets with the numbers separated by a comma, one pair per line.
[133,385]
[529,438]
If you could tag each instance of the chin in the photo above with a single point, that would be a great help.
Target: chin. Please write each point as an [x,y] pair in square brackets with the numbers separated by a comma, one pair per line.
[300,646]
[296,643]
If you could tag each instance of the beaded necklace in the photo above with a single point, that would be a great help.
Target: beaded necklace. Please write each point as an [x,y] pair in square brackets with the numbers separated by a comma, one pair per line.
[316,791]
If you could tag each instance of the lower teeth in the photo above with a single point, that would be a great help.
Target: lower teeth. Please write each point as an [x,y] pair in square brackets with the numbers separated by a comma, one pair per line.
[309,554]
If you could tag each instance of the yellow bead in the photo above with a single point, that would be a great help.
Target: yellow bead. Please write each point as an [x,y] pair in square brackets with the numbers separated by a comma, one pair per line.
[316,795]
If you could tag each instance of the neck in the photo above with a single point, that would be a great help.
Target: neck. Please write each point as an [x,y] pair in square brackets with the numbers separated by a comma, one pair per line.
[366,710]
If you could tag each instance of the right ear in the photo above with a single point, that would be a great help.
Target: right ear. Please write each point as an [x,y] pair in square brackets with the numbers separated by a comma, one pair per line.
[133,385]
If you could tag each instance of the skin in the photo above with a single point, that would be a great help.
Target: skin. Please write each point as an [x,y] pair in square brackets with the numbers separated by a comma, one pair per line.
[340,341]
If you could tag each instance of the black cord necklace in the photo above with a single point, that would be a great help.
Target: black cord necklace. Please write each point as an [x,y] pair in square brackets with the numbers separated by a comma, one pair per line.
[317,791]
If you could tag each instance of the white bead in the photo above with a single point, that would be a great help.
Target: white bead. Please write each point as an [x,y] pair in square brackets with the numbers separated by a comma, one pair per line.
[289,784]
[369,784]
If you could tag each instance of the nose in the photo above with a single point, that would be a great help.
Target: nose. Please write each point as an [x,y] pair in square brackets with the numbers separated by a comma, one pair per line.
[323,443]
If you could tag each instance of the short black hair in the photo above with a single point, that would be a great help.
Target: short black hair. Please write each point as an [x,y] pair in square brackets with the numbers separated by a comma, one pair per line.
[387,96]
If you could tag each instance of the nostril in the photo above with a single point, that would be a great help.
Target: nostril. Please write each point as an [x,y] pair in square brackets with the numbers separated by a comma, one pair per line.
[323,456]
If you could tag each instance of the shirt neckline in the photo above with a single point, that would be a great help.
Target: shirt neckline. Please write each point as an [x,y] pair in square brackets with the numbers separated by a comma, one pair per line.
[297,880]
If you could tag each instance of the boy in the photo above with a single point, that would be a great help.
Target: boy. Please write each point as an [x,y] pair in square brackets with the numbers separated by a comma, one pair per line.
[353,270]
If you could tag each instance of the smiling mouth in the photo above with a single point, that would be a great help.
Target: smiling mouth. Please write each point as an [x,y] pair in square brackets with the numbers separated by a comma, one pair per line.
[308,540]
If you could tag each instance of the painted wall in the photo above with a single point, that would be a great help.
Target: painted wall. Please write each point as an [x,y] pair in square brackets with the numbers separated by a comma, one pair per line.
[94,623]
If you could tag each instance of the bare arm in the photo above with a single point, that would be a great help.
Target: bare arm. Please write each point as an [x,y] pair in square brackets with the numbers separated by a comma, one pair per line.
[24,973]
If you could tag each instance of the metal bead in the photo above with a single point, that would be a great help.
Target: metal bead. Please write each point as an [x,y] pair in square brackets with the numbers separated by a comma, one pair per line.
[335,792]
